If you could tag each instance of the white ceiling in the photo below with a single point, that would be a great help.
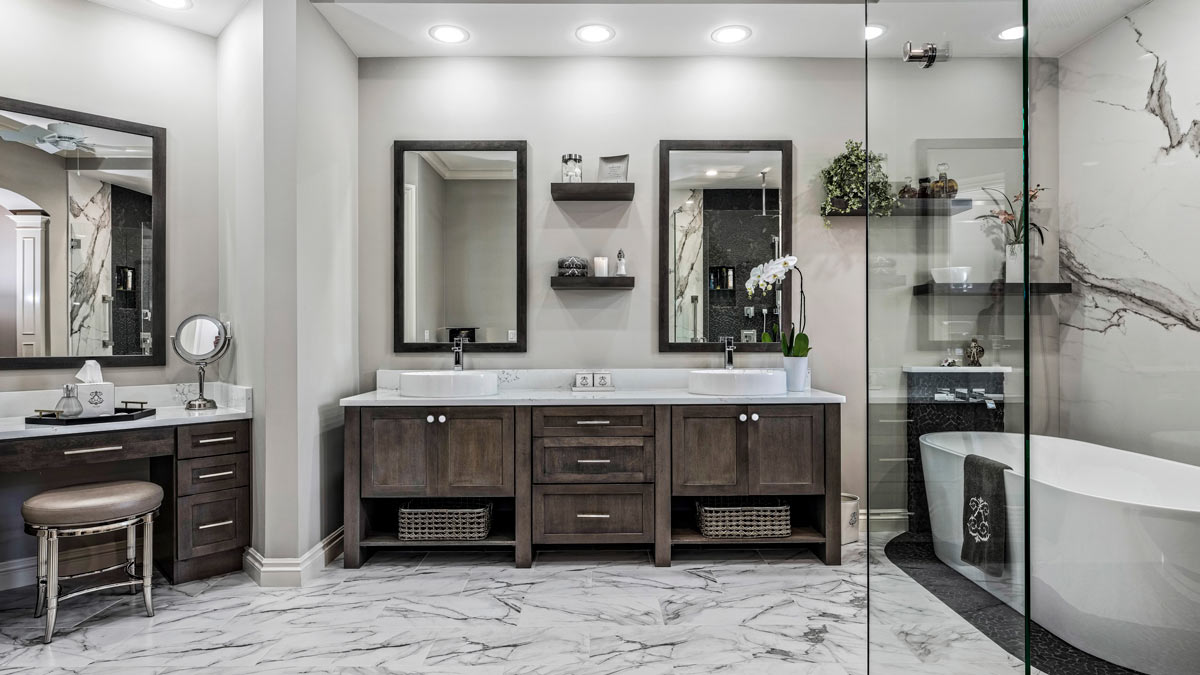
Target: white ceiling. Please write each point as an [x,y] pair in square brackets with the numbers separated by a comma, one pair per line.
[205,16]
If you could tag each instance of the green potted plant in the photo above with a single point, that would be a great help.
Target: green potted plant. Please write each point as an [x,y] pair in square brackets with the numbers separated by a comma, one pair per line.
[855,180]
[795,345]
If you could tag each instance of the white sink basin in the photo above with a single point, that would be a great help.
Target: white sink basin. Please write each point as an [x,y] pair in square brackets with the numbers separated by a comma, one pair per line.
[738,382]
[449,383]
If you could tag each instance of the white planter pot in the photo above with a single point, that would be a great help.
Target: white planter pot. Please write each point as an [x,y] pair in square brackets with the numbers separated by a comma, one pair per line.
[798,376]
[1014,264]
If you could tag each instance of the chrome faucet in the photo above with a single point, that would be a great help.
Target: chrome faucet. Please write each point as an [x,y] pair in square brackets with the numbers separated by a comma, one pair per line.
[729,347]
[458,352]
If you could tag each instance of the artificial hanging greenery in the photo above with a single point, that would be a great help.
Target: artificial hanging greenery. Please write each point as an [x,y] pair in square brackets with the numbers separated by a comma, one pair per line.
[851,179]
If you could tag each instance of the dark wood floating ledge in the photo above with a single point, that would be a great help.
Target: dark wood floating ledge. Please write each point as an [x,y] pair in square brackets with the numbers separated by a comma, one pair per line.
[592,283]
[592,192]
[983,289]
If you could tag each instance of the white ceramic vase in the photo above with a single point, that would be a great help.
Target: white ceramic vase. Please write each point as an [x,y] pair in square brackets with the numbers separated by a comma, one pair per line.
[798,375]
[1014,264]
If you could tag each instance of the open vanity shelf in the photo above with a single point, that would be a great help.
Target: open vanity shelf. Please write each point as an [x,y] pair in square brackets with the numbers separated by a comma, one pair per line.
[913,207]
[592,192]
[984,289]
[592,283]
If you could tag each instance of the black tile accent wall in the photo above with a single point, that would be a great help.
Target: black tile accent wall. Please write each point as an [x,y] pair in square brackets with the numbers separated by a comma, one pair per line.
[737,235]
[130,210]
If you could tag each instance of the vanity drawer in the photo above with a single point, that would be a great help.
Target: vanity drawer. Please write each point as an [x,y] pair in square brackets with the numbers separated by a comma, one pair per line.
[593,514]
[76,450]
[594,420]
[209,474]
[207,440]
[213,522]
[593,460]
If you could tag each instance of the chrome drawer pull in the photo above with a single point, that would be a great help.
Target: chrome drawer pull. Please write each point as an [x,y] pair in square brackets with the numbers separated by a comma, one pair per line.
[594,461]
[223,439]
[88,450]
[220,524]
[584,422]
[591,515]
[896,459]
[215,475]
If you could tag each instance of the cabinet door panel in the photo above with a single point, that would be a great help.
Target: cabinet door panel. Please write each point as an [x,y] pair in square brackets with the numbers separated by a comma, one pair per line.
[786,449]
[708,450]
[398,453]
[476,448]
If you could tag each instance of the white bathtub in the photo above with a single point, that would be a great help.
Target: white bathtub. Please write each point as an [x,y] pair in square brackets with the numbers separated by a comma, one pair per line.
[1115,543]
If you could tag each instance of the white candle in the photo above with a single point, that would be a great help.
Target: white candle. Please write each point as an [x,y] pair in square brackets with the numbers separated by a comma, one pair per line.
[600,266]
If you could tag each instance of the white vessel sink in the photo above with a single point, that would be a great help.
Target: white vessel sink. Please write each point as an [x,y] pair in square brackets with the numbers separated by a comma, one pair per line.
[449,383]
[738,382]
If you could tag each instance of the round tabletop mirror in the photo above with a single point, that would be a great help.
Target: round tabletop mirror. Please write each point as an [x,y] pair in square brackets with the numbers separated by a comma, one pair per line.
[200,340]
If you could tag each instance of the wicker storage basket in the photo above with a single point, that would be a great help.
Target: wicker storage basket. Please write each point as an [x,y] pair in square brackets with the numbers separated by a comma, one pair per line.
[445,520]
[744,517]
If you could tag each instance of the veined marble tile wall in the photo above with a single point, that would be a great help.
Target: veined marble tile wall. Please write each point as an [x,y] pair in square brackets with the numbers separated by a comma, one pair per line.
[1130,166]
[90,274]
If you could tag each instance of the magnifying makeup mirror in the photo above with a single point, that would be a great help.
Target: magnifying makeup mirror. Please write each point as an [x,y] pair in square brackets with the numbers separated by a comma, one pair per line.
[200,340]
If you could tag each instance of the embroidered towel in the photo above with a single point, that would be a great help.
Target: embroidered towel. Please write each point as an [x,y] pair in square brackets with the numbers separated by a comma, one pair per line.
[985,522]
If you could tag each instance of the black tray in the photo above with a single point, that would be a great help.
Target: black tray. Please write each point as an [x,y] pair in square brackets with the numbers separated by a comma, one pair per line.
[119,415]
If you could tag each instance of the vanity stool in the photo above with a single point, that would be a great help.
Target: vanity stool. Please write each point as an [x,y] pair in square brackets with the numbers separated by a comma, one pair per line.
[82,510]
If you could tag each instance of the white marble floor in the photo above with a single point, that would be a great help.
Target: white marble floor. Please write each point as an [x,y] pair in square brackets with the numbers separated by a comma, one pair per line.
[733,612]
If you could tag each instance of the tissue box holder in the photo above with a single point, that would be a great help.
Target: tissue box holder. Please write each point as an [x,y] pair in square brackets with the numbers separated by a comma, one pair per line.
[97,398]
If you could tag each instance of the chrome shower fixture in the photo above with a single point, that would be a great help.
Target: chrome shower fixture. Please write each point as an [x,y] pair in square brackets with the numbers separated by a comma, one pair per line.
[926,55]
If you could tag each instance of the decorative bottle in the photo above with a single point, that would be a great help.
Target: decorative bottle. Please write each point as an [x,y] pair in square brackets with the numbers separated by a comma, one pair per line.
[909,191]
[949,185]
[69,404]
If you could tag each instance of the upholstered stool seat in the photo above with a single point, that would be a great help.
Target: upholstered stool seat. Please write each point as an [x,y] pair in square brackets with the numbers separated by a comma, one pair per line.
[91,504]
[83,510]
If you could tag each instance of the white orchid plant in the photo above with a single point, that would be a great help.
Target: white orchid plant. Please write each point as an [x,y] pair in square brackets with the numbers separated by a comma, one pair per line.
[763,279]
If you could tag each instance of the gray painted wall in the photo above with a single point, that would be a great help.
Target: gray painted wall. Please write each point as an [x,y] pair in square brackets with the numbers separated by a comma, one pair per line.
[479,272]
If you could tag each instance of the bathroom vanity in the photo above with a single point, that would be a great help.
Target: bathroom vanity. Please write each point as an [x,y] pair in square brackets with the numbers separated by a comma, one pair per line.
[567,469]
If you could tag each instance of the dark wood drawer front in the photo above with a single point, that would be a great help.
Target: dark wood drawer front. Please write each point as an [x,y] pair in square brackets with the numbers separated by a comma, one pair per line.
[209,474]
[52,452]
[213,522]
[593,420]
[593,514]
[207,440]
[593,460]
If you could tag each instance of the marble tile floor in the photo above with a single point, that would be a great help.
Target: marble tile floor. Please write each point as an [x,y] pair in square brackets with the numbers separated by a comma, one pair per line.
[574,613]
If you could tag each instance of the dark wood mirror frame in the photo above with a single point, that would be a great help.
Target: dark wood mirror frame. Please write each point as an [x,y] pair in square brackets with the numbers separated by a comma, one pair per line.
[398,150]
[665,148]
[158,218]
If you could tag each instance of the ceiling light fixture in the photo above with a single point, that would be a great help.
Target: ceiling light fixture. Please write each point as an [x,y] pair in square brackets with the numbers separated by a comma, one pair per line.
[450,35]
[595,33]
[875,30]
[1014,33]
[728,35]
[173,4]
[710,173]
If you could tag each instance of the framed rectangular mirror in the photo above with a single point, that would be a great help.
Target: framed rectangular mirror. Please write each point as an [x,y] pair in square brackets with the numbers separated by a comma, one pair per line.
[725,207]
[82,237]
[460,239]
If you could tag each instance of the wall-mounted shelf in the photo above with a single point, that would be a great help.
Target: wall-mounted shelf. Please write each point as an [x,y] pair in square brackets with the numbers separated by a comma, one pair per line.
[985,289]
[912,207]
[591,192]
[592,283]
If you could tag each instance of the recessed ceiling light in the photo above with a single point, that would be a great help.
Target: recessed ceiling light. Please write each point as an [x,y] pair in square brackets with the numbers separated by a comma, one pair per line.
[874,30]
[710,173]
[594,33]
[728,35]
[450,35]
[173,4]
[1014,33]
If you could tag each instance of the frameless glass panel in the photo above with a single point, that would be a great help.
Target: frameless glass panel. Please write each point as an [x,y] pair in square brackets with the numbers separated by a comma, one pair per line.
[76,218]
[946,337]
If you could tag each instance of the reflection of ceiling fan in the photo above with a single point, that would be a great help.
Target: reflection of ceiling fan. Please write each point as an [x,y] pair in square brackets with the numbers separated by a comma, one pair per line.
[60,136]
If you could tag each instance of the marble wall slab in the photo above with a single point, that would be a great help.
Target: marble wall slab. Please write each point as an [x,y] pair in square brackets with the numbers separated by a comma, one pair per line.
[90,273]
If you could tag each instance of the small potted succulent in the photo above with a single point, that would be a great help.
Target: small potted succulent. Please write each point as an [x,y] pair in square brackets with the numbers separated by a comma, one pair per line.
[796,346]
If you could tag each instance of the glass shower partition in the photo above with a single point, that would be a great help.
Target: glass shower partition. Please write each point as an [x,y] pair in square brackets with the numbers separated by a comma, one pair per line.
[947,337]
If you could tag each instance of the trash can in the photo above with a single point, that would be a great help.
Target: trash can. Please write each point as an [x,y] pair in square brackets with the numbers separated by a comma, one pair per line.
[850,529]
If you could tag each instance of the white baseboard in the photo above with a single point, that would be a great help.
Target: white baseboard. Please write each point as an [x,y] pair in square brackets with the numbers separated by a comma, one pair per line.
[885,520]
[23,571]
[292,572]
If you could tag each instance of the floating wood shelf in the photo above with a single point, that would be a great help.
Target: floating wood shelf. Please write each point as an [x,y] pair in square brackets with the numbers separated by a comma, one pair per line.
[591,192]
[913,207]
[985,289]
[800,535]
[591,283]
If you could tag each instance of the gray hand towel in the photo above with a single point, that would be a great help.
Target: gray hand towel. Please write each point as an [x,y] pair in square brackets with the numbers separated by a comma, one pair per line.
[985,521]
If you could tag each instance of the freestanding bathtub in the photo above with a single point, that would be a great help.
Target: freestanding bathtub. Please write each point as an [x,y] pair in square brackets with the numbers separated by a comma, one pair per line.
[1115,543]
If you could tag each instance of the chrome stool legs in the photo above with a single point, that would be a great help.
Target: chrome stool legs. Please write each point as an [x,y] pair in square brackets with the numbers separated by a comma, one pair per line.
[48,590]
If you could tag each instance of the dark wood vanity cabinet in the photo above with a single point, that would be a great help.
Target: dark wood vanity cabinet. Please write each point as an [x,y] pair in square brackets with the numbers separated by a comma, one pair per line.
[438,452]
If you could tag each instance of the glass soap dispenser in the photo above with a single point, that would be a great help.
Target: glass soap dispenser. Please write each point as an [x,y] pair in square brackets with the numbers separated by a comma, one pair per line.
[69,405]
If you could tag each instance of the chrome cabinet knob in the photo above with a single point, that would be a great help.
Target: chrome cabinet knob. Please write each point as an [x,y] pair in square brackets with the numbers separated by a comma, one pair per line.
[442,419]
[429,419]
[742,417]
[754,417]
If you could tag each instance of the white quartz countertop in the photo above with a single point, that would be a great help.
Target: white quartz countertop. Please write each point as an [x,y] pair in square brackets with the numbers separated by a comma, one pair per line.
[16,427]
